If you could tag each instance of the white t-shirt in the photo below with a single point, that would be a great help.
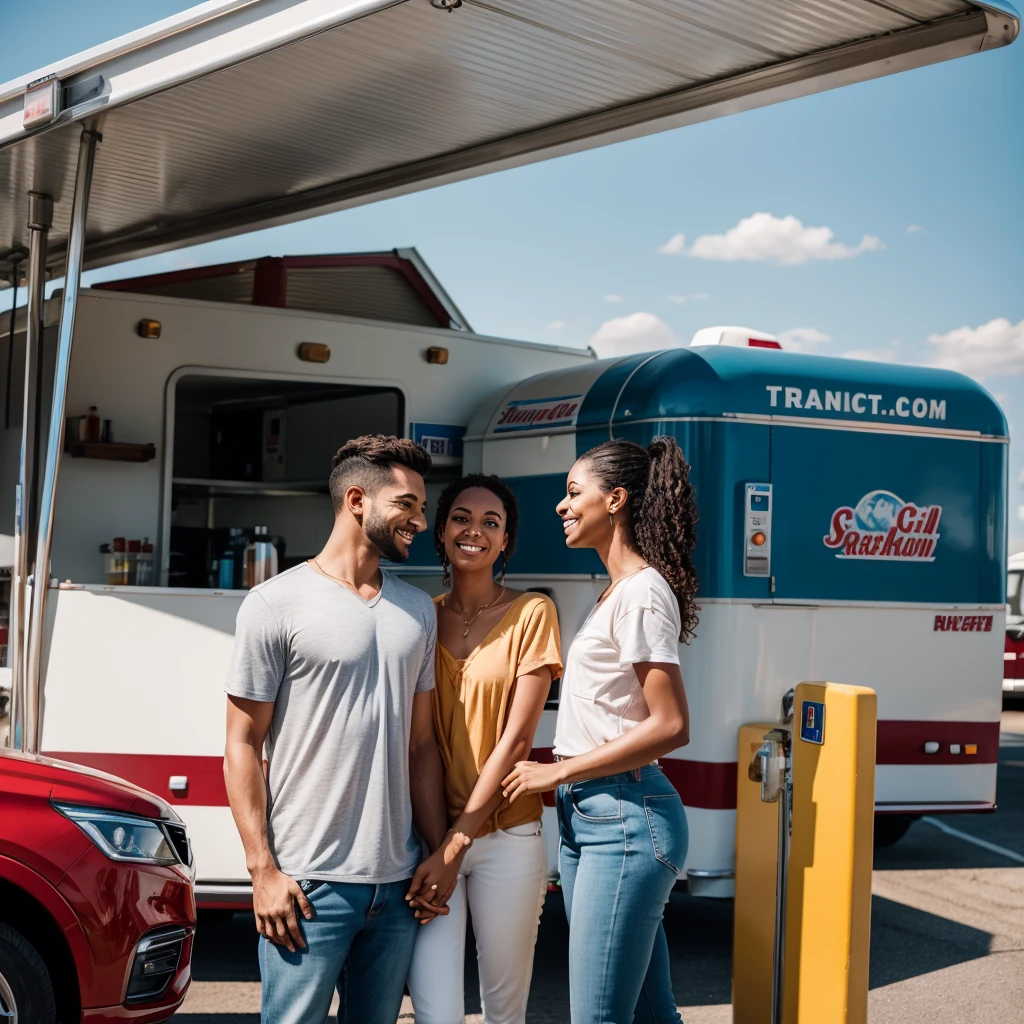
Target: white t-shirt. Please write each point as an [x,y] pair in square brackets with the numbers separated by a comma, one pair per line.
[601,696]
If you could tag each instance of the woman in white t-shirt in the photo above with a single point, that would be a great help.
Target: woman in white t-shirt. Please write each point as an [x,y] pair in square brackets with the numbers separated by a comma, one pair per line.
[622,706]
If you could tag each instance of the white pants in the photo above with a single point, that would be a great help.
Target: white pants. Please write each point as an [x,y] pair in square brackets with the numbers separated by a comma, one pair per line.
[504,879]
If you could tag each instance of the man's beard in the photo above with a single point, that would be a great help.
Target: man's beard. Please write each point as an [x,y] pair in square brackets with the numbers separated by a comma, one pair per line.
[377,532]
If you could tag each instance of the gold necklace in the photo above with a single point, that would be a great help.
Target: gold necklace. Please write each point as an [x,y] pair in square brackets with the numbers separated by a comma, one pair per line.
[611,586]
[482,608]
[348,583]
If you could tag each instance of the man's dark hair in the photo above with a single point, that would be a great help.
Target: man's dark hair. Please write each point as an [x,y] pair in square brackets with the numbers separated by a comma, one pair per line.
[366,462]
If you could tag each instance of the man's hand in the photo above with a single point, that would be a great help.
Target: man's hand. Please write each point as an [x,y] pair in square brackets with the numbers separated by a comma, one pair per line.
[274,896]
[435,879]
[530,777]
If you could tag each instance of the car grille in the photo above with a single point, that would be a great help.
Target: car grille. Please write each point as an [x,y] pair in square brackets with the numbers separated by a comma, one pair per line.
[156,961]
[176,833]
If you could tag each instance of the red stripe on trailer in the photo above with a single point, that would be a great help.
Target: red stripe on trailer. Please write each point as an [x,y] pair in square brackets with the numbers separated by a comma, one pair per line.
[153,772]
[709,785]
[904,742]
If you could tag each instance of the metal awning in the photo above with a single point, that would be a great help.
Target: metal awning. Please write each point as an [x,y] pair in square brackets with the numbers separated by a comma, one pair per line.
[241,114]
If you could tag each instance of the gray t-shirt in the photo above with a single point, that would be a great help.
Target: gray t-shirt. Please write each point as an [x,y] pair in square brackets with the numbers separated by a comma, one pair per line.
[342,673]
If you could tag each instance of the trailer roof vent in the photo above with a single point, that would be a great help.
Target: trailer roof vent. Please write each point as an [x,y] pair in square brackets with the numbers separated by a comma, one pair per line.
[734,337]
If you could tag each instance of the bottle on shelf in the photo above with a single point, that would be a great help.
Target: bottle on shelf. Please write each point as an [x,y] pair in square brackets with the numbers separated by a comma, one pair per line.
[92,425]
[260,558]
[226,571]
[144,565]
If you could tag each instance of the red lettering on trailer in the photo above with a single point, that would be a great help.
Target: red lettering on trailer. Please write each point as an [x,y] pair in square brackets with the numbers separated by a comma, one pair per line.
[962,624]
[840,518]
[884,527]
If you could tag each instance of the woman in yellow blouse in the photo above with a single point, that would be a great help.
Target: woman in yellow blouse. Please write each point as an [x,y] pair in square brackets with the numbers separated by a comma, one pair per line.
[497,652]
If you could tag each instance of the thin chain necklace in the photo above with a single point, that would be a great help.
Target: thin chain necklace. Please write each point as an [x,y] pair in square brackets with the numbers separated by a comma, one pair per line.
[611,586]
[469,622]
[348,583]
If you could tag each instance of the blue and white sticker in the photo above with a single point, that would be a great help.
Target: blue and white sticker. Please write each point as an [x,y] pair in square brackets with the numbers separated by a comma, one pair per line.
[441,440]
[812,722]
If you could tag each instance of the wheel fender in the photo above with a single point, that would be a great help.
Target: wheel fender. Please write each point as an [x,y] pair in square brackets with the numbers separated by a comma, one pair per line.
[41,890]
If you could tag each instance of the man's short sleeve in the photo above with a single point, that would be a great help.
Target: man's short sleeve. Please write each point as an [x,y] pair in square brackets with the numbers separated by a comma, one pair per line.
[258,660]
[426,677]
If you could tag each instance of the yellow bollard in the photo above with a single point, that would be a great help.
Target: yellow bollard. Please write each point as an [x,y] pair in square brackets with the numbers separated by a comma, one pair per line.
[828,909]
[753,936]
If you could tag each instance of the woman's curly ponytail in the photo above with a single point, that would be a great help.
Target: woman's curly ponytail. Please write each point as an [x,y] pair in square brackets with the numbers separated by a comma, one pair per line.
[661,511]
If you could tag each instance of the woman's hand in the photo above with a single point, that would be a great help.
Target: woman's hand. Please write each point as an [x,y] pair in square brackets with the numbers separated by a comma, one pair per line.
[435,879]
[530,777]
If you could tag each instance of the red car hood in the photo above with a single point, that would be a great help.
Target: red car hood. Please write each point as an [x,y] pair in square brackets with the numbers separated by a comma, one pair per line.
[77,784]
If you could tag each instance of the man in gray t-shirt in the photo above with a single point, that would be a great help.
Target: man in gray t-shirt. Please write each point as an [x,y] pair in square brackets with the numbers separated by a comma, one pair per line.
[332,670]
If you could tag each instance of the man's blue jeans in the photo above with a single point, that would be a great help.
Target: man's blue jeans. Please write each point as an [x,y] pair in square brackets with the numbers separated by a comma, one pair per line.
[360,941]
[623,840]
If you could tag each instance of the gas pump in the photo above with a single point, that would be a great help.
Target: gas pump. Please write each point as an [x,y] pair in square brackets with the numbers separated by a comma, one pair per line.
[804,820]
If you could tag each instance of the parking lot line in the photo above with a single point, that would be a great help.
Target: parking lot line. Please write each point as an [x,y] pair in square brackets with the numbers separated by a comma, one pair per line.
[991,847]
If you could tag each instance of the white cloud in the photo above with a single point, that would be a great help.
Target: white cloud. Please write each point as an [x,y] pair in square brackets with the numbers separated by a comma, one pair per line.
[912,229]
[674,245]
[992,350]
[781,240]
[638,332]
[803,339]
[695,297]
[995,349]
[613,298]
[556,325]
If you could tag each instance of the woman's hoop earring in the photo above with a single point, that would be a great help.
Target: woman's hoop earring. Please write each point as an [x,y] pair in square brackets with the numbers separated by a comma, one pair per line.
[446,578]
[504,568]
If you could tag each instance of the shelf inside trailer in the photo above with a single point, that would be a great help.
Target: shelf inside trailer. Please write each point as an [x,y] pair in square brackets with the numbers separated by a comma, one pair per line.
[201,488]
[116,451]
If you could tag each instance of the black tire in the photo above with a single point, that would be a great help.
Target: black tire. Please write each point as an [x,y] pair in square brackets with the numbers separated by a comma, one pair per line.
[891,828]
[25,974]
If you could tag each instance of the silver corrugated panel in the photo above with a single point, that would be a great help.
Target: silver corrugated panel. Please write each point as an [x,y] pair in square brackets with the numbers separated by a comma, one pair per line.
[410,95]
[374,293]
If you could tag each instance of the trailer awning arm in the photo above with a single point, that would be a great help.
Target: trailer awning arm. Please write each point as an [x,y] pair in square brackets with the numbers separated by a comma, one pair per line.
[241,114]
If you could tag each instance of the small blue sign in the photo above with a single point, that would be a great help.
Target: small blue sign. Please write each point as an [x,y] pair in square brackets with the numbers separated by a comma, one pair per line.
[441,440]
[812,722]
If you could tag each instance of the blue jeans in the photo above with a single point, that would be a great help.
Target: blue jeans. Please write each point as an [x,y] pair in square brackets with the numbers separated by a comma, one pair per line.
[359,941]
[623,840]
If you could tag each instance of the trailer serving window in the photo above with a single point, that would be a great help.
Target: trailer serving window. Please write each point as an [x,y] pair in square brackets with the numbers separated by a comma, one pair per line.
[249,451]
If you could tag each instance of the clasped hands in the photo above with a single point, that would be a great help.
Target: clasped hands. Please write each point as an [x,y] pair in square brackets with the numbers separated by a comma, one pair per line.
[435,879]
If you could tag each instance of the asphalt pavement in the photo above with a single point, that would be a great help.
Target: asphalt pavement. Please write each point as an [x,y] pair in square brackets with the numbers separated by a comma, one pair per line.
[947,936]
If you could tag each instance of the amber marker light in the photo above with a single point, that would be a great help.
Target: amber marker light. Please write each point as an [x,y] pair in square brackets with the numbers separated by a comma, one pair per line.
[311,352]
[437,355]
[758,539]
[148,328]
[970,748]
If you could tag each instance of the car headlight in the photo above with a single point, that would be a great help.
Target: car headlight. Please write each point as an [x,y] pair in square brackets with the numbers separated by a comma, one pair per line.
[126,837]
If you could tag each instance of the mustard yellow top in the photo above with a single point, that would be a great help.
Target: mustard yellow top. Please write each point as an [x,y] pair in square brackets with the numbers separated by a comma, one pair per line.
[472,697]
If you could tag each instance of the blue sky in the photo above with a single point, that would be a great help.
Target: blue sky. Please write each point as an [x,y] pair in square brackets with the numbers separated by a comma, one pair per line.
[917,177]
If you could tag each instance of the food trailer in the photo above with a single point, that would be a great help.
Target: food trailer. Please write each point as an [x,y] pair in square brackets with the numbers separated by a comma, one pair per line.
[833,540]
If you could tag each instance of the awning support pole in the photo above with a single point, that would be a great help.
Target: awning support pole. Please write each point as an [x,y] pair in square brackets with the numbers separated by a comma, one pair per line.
[55,438]
[40,218]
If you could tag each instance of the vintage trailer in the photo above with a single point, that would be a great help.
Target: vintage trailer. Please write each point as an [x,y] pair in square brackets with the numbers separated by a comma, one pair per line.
[852,529]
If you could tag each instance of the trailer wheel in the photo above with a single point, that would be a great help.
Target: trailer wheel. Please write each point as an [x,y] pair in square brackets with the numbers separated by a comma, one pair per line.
[26,992]
[891,828]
